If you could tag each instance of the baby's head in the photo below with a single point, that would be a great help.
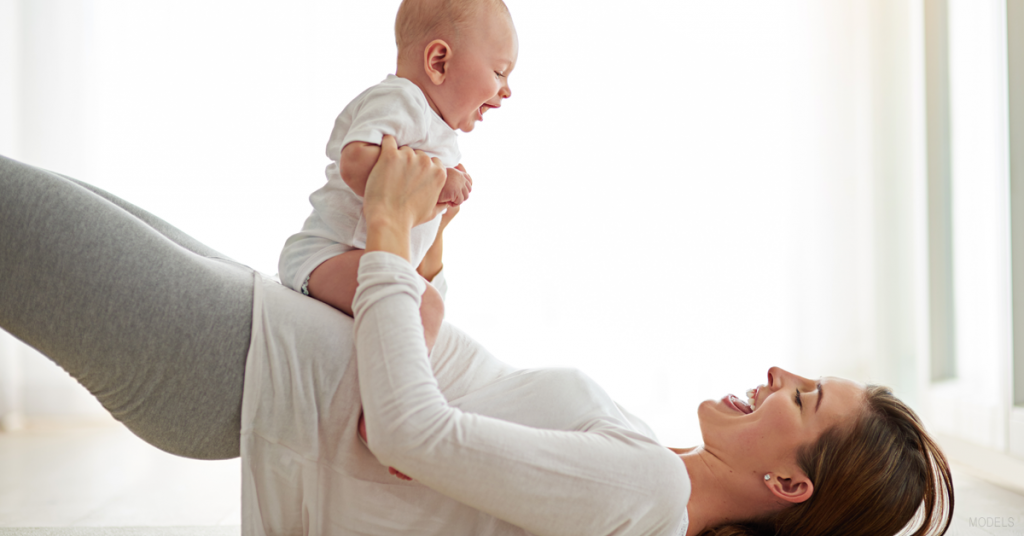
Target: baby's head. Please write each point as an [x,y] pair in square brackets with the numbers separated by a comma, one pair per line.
[460,53]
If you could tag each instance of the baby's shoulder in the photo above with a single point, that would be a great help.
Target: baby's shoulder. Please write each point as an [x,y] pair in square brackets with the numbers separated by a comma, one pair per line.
[393,93]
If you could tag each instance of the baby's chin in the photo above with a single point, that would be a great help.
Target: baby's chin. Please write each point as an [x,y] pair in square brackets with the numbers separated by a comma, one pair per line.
[466,126]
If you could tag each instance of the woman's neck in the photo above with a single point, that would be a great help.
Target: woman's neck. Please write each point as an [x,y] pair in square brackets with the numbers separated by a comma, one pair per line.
[718,494]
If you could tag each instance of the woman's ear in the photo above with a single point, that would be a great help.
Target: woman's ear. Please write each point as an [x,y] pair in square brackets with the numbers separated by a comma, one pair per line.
[793,490]
[436,58]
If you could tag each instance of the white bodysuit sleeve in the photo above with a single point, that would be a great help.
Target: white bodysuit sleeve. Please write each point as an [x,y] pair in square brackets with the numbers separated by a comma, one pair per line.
[380,111]
[602,479]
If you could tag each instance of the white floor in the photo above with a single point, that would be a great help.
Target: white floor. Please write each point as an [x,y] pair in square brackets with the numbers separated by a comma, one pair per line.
[103,476]
[984,509]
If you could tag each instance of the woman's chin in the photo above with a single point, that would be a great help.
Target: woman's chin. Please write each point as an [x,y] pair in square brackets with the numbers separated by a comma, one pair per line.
[705,411]
[714,418]
[713,406]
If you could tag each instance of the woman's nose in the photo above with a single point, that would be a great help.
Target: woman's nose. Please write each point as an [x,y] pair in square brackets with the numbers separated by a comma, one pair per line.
[779,377]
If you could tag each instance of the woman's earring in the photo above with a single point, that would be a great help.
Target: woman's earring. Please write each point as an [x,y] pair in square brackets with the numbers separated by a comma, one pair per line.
[767,477]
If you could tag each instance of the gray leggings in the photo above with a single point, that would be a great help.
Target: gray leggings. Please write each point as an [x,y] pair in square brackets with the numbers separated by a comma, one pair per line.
[154,324]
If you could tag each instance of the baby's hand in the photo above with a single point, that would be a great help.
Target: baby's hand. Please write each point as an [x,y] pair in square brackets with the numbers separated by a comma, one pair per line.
[457,187]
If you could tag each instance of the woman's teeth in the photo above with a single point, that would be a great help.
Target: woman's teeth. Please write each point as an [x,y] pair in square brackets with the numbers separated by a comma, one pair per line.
[750,398]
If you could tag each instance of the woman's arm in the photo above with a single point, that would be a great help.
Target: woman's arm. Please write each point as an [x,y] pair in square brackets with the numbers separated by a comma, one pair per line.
[601,480]
[595,481]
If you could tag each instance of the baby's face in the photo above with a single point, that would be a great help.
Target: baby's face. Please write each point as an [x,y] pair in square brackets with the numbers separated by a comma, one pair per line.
[479,70]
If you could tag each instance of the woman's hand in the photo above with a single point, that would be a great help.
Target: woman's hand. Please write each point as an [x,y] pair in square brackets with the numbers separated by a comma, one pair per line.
[401,192]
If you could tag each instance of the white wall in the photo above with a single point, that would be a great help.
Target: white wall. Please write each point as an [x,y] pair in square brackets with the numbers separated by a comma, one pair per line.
[677,196]
[975,405]
[46,117]
[10,65]
[10,375]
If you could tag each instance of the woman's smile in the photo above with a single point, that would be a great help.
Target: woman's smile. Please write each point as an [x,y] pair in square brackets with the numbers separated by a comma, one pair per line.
[733,402]
[752,397]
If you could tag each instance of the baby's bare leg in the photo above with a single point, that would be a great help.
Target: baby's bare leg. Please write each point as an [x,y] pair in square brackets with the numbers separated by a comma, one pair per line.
[334,283]
[431,314]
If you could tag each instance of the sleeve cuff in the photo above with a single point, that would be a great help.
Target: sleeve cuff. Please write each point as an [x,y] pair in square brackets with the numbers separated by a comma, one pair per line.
[379,270]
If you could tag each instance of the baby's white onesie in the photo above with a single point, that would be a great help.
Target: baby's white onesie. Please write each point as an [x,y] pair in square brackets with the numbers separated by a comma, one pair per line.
[397,107]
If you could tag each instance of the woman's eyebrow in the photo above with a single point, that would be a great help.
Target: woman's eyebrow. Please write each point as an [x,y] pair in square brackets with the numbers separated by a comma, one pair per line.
[820,395]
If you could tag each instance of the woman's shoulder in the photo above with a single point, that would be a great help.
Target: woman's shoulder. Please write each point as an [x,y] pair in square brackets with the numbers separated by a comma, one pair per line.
[671,485]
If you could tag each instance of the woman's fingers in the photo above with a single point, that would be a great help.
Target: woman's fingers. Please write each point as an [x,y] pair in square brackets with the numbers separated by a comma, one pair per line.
[399,474]
[403,186]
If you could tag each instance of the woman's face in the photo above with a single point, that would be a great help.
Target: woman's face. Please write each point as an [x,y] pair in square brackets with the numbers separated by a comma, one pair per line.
[789,411]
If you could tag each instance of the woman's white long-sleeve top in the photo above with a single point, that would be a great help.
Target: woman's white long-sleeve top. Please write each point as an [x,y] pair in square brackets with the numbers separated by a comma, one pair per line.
[492,450]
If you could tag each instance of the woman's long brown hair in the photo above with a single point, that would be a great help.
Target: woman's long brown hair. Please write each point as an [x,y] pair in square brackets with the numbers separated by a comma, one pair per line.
[871,479]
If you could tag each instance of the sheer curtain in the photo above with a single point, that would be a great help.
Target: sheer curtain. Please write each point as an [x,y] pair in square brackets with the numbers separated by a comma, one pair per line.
[678,195]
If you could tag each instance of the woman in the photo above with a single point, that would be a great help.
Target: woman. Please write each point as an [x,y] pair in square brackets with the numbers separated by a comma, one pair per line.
[201,357]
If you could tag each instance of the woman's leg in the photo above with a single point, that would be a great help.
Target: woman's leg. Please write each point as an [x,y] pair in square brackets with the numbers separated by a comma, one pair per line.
[131,307]
[171,232]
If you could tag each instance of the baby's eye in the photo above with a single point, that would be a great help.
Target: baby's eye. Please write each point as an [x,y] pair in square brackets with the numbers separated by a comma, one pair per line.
[499,75]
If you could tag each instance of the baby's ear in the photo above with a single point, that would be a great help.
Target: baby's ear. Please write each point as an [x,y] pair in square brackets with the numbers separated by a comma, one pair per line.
[436,57]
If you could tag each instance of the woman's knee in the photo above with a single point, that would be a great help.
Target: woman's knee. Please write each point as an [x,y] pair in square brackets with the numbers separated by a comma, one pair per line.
[153,330]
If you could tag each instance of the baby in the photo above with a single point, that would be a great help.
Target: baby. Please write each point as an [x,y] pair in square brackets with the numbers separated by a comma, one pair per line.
[454,59]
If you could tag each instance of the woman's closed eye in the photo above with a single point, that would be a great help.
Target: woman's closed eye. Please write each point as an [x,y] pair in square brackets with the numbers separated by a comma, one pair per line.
[797,399]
